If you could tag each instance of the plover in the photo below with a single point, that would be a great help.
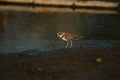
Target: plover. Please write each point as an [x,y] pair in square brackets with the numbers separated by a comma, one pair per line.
[68,37]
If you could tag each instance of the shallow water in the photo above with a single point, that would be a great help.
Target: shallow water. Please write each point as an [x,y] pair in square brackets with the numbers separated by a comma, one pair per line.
[30,31]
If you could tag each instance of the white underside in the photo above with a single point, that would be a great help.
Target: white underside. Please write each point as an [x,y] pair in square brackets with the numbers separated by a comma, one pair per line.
[64,39]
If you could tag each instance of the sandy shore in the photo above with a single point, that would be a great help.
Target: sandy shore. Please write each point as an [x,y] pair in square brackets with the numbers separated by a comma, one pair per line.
[65,64]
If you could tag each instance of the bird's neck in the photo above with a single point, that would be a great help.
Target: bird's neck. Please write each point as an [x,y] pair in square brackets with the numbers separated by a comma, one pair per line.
[61,36]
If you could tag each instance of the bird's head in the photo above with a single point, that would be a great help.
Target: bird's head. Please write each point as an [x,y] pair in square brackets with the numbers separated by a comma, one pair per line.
[60,34]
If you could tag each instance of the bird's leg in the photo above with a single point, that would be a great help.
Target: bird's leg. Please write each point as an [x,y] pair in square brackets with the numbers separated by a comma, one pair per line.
[67,44]
[70,43]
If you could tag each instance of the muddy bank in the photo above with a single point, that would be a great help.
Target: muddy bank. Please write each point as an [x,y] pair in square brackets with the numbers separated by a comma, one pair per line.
[65,64]
[63,3]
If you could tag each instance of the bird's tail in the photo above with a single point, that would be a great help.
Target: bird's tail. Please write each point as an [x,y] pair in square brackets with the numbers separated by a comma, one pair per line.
[80,37]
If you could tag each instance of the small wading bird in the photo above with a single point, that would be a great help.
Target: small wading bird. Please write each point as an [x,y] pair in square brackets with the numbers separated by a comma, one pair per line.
[68,37]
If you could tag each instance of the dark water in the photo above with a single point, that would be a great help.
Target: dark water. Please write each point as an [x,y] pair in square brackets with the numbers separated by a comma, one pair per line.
[29,31]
